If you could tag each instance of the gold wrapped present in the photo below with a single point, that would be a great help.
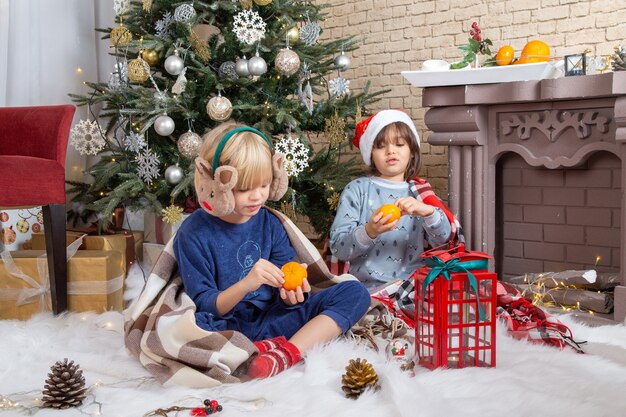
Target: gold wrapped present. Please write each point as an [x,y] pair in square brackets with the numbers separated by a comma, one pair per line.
[122,242]
[95,283]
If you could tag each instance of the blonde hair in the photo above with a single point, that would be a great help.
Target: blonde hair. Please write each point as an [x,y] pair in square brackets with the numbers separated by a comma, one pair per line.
[247,152]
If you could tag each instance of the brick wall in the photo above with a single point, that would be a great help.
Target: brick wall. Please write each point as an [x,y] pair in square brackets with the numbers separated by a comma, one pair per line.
[558,219]
[398,35]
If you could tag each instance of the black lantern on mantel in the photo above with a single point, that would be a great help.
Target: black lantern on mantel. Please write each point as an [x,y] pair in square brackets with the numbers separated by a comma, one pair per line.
[575,64]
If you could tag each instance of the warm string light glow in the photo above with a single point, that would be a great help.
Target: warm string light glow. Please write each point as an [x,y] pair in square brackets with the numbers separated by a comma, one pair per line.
[538,291]
[28,403]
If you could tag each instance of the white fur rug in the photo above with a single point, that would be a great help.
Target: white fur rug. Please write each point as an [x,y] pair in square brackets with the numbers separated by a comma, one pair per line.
[529,380]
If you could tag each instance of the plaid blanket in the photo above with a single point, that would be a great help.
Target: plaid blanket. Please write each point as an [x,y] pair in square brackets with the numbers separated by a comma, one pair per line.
[160,327]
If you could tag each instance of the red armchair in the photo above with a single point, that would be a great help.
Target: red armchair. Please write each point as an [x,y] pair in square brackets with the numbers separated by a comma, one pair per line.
[33,144]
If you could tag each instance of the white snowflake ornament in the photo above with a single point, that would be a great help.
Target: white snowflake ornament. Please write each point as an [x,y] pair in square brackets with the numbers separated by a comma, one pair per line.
[147,165]
[296,155]
[121,6]
[339,86]
[135,142]
[86,137]
[162,26]
[309,33]
[249,27]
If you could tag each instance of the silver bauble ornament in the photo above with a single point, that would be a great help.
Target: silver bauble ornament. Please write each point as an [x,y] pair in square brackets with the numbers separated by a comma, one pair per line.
[174,64]
[173,174]
[184,12]
[257,65]
[219,108]
[287,62]
[241,67]
[342,61]
[227,70]
[189,144]
[164,125]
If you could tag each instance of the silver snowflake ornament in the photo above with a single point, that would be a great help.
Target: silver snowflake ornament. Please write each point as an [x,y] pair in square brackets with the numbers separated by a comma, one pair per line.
[249,27]
[339,86]
[147,165]
[135,142]
[162,26]
[86,137]
[296,155]
[309,33]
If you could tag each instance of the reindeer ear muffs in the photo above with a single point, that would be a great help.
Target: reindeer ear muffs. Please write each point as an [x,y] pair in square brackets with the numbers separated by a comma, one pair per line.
[217,182]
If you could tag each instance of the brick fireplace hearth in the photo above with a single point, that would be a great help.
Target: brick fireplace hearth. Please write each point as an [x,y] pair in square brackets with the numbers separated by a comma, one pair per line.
[537,171]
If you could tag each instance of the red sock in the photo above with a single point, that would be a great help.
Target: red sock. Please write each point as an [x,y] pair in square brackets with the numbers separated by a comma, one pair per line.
[274,361]
[269,344]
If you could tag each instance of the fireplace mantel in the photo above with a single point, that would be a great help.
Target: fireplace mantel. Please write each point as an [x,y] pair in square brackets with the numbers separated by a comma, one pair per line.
[554,123]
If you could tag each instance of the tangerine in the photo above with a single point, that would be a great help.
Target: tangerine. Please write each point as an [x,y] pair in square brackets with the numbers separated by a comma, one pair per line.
[388,209]
[534,51]
[294,274]
[505,55]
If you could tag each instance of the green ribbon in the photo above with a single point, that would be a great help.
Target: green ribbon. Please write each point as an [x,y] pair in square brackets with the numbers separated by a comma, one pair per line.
[439,267]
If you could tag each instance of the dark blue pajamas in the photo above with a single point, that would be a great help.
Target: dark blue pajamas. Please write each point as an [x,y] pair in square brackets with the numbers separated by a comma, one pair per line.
[345,303]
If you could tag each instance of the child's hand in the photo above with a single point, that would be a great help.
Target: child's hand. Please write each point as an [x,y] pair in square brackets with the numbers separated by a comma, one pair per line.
[377,225]
[294,297]
[412,207]
[263,272]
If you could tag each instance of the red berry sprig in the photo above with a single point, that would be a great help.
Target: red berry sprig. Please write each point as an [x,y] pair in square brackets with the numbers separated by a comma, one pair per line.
[475,32]
[210,407]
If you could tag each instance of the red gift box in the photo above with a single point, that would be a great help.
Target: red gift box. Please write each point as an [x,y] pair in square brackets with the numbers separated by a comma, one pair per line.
[455,310]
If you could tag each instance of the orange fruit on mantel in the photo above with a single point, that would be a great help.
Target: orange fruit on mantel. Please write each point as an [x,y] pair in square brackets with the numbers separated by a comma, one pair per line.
[505,55]
[534,51]
[388,209]
[294,274]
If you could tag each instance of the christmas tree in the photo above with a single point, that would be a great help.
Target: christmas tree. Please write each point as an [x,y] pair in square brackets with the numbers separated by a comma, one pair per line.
[184,67]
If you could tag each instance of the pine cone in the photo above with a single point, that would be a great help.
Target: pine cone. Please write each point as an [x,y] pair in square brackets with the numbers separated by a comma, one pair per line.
[65,386]
[359,376]
[619,59]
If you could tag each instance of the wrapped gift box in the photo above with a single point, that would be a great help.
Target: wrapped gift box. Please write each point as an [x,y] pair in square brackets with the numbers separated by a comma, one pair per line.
[455,306]
[17,226]
[155,230]
[95,283]
[123,242]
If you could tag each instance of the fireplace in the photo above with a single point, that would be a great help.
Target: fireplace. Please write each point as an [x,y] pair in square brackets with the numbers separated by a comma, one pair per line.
[536,171]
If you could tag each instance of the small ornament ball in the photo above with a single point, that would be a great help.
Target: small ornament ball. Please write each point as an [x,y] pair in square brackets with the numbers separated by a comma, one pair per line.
[293,35]
[174,64]
[173,174]
[342,61]
[164,125]
[150,56]
[120,36]
[257,65]
[219,108]
[189,144]
[138,70]
[287,62]
[241,67]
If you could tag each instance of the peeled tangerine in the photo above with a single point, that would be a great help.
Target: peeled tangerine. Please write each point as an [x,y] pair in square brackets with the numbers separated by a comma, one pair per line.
[388,209]
[294,274]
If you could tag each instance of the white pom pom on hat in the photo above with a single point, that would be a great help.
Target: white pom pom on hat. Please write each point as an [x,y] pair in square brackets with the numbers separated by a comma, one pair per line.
[367,130]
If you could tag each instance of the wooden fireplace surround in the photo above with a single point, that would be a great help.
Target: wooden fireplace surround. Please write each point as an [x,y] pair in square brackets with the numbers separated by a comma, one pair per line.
[554,123]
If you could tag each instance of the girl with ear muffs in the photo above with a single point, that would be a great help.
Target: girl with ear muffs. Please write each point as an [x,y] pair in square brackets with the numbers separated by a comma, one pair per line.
[230,253]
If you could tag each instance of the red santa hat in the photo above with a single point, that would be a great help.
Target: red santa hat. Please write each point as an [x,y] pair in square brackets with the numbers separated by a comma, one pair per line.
[367,130]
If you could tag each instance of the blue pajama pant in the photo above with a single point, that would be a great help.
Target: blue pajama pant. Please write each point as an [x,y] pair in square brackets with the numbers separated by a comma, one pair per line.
[345,303]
